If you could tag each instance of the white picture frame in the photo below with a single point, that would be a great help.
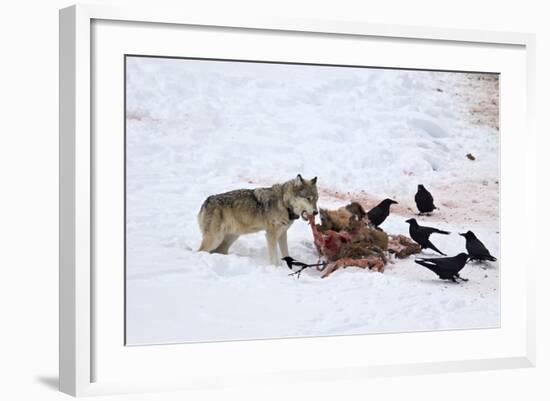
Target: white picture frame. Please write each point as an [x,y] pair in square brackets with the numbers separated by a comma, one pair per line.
[86,335]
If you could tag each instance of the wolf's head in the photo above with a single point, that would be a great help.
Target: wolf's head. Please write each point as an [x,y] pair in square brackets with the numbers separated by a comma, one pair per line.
[301,196]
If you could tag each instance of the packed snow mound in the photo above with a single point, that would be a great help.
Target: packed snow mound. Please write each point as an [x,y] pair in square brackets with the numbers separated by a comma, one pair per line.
[197,128]
[268,121]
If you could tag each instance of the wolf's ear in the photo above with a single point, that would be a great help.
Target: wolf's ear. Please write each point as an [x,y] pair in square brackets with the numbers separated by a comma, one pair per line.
[299,180]
[314,180]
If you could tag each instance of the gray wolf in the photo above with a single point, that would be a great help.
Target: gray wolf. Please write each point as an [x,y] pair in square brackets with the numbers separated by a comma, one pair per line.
[224,217]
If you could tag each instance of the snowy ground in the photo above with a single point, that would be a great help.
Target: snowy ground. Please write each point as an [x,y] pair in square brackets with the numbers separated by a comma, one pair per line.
[197,128]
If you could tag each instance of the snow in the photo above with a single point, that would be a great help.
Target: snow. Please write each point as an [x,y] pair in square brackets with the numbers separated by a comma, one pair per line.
[197,128]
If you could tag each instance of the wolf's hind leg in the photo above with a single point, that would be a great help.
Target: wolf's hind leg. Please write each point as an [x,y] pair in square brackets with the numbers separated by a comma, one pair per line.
[210,242]
[228,240]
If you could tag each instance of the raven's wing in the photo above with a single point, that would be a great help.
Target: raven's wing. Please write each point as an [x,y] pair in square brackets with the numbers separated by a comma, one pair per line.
[427,231]
[441,269]
[424,197]
[435,260]
[428,244]
[431,266]
[375,214]
[429,197]
[441,266]
[477,248]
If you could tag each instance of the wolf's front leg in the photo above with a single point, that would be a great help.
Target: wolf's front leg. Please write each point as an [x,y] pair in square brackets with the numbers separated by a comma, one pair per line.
[271,237]
[283,244]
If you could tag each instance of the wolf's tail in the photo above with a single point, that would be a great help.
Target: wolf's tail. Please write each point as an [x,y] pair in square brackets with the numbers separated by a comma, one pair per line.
[201,217]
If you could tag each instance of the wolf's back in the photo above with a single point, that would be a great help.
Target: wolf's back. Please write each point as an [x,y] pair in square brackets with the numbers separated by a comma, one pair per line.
[213,208]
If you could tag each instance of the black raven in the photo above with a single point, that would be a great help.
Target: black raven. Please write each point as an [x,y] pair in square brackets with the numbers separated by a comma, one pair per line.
[378,214]
[446,268]
[424,200]
[422,234]
[476,249]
